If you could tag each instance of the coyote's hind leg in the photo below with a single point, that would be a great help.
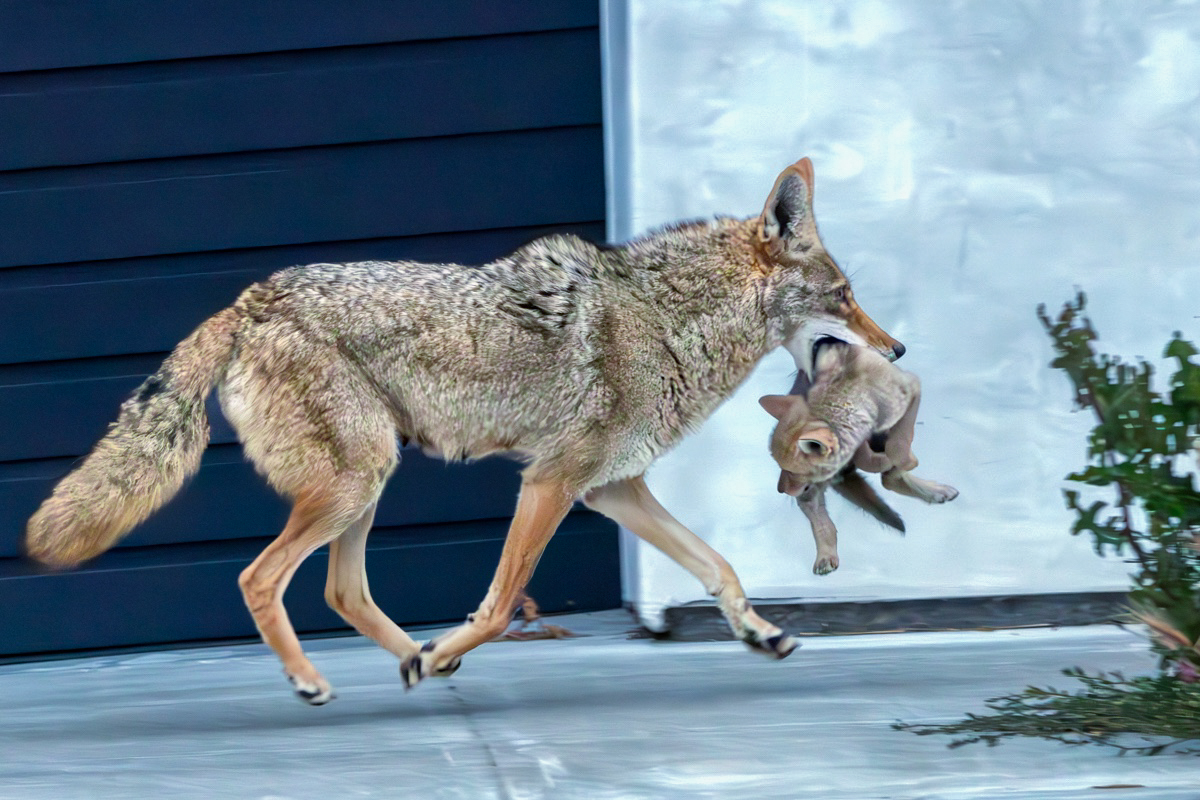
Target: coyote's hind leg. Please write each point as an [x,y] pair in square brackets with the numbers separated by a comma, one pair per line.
[347,592]
[318,516]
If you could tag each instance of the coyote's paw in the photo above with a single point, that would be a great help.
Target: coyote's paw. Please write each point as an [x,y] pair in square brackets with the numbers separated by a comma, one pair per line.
[448,670]
[419,666]
[826,565]
[776,645]
[315,693]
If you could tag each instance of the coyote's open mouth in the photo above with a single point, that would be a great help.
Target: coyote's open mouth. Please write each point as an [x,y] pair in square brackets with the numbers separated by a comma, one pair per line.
[824,341]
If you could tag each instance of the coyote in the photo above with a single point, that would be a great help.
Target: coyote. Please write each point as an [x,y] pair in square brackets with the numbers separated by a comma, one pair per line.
[858,412]
[585,362]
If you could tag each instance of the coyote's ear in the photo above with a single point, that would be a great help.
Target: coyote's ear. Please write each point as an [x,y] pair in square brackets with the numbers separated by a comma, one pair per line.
[816,441]
[787,219]
[778,405]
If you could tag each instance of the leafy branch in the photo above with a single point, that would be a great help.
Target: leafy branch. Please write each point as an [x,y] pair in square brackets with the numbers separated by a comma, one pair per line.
[1143,448]
[1143,715]
[1140,438]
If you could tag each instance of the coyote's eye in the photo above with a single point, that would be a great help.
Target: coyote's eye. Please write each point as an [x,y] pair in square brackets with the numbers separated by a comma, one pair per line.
[841,295]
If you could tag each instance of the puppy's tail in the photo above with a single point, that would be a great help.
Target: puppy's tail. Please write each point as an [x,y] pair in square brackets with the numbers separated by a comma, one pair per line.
[152,448]
[851,485]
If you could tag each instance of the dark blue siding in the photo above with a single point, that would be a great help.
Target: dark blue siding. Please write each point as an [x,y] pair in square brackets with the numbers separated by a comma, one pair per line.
[51,34]
[159,156]
[333,96]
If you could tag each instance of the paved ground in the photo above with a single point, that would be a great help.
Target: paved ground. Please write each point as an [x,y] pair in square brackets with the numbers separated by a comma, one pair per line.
[600,716]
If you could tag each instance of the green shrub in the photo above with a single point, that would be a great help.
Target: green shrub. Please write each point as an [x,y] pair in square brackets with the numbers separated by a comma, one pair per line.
[1143,450]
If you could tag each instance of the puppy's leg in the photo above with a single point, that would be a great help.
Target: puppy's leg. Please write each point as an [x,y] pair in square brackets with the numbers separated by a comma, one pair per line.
[906,483]
[630,504]
[869,460]
[347,592]
[317,517]
[898,450]
[540,507]
[898,447]
[824,531]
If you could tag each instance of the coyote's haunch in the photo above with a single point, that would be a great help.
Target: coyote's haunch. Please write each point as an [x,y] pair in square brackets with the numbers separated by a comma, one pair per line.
[587,363]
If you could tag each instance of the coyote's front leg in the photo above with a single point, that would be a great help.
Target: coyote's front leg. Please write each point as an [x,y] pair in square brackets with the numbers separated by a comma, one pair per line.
[630,504]
[540,507]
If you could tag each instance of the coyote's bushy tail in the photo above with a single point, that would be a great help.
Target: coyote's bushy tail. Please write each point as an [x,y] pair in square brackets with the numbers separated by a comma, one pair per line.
[152,448]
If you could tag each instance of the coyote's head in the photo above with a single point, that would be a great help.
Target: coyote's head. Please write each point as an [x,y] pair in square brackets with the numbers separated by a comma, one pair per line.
[809,298]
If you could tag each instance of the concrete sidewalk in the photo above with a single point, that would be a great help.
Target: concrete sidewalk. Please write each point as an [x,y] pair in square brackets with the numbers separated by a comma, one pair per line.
[599,716]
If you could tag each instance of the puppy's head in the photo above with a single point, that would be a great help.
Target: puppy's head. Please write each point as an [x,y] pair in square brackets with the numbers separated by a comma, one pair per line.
[801,444]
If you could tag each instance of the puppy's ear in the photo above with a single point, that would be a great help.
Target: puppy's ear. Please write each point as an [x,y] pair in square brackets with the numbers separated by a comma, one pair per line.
[816,441]
[780,405]
[786,223]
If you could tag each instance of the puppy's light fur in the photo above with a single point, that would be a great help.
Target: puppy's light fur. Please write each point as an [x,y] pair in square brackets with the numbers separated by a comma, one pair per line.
[860,411]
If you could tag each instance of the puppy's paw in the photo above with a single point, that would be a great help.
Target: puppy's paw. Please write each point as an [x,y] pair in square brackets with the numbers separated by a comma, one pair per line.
[826,565]
[939,493]
[315,692]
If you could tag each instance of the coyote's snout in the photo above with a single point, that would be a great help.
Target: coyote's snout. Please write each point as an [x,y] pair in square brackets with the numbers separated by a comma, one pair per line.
[586,363]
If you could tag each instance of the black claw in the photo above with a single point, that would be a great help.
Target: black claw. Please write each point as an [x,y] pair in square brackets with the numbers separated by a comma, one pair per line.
[311,697]
[450,668]
[410,672]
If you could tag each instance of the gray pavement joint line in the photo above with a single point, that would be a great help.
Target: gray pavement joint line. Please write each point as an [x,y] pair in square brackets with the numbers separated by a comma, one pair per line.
[473,727]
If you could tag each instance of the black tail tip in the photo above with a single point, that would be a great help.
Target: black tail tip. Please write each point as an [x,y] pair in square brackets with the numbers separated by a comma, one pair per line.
[888,517]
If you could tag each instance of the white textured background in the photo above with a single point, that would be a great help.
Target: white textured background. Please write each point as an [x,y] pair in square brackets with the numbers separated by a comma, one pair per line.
[973,159]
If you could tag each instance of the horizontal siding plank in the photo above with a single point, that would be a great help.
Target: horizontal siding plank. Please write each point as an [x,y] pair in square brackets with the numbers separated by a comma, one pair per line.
[147,305]
[295,196]
[299,99]
[109,318]
[60,419]
[53,34]
[227,500]
[180,594]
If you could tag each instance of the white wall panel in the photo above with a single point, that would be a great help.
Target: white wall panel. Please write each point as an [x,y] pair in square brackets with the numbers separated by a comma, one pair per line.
[973,159]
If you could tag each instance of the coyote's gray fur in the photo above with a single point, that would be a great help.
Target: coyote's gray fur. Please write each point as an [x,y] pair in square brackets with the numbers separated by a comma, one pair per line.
[585,362]
[859,412]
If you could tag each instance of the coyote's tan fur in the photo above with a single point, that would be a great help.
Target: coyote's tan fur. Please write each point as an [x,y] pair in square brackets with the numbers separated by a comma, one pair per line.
[585,362]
